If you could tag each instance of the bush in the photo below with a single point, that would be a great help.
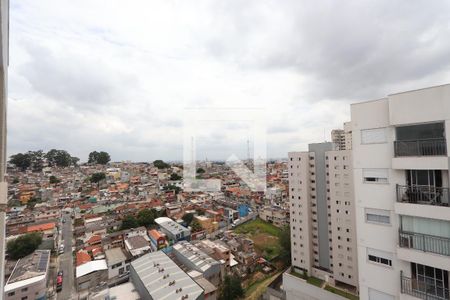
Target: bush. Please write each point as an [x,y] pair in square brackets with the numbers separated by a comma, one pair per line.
[23,245]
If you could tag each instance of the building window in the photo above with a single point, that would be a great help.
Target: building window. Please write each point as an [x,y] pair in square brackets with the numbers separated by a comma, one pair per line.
[373,136]
[379,216]
[375,175]
[379,257]
[11,294]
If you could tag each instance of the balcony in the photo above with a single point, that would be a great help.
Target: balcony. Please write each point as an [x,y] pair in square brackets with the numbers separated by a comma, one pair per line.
[422,289]
[424,147]
[423,194]
[424,242]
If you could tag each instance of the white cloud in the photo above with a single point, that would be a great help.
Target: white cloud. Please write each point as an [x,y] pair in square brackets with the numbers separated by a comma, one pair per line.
[102,75]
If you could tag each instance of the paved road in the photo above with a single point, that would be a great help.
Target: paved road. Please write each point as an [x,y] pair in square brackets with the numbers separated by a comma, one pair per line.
[66,260]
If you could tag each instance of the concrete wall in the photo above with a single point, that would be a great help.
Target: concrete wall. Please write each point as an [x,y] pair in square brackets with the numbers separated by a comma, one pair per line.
[298,289]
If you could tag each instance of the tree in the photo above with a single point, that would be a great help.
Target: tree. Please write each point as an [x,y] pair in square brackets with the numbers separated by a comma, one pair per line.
[129,222]
[175,176]
[21,161]
[231,288]
[54,180]
[187,218]
[196,226]
[37,160]
[160,164]
[285,242]
[200,170]
[101,158]
[97,177]
[74,160]
[146,217]
[171,187]
[59,158]
[23,245]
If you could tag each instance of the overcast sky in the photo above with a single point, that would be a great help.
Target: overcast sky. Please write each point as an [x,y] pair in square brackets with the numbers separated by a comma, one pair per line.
[118,76]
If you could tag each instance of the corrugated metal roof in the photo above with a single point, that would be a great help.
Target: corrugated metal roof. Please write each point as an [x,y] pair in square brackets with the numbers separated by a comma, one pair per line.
[163,278]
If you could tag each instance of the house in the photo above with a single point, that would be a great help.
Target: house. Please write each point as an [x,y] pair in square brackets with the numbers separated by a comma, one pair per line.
[137,245]
[118,263]
[29,277]
[91,274]
[157,239]
[173,231]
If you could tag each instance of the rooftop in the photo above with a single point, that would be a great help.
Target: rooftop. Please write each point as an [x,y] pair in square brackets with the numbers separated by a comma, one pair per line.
[29,269]
[163,279]
[115,255]
[201,260]
[92,266]
[170,225]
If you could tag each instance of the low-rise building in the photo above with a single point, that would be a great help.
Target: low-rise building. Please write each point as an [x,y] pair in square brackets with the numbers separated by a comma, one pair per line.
[156,276]
[157,240]
[91,274]
[29,277]
[117,261]
[195,259]
[174,231]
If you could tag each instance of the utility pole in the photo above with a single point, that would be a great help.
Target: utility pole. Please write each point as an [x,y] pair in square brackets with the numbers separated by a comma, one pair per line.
[4,55]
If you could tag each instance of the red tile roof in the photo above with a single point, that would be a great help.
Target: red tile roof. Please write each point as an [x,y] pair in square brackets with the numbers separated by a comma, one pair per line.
[83,257]
[41,227]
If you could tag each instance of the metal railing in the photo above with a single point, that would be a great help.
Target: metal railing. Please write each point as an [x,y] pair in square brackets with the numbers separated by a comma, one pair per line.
[424,242]
[422,289]
[427,147]
[423,194]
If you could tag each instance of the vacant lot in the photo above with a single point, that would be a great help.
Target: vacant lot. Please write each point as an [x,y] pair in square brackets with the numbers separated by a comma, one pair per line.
[264,235]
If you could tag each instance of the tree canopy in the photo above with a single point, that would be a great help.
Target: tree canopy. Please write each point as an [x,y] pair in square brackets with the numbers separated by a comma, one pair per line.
[23,245]
[187,218]
[175,176]
[97,177]
[101,158]
[129,222]
[54,180]
[231,288]
[285,242]
[35,160]
[160,164]
[200,170]
[196,226]
[146,217]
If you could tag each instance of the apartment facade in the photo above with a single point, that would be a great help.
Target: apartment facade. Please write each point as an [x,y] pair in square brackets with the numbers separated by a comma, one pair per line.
[322,214]
[401,178]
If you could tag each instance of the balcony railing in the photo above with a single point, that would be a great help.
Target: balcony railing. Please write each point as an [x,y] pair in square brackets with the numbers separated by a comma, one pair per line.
[422,289]
[423,194]
[424,242]
[428,147]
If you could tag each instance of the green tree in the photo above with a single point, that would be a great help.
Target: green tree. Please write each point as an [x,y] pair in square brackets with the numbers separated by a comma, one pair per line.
[200,170]
[129,222]
[231,288]
[146,217]
[101,157]
[59,158]
[97,177]
[37,160]
[285,242]
[74,160]
[160,164]
[23,245]
[15,180]
[187,218]
[175,176]
[21,161]
[54,180]
[196,226]
[171,187]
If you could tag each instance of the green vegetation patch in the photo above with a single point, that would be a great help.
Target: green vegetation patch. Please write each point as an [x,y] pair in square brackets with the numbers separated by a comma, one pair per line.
[341,293]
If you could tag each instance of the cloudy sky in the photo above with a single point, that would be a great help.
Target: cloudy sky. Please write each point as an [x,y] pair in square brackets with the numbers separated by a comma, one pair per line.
[119,77]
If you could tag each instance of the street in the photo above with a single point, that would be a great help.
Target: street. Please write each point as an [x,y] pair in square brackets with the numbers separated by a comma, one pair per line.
[66,261]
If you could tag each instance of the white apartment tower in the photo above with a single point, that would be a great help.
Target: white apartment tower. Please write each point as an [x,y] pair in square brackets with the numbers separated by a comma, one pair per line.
[401,178]
[322,212]
[342,138]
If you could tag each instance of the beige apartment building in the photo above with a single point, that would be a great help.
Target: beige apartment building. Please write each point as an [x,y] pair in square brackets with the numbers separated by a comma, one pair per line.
[322,212]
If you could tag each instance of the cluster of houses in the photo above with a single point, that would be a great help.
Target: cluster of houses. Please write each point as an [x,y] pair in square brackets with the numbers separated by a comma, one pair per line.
[107,256]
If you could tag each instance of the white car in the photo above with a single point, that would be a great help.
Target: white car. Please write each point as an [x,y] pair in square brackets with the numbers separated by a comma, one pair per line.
[61,249]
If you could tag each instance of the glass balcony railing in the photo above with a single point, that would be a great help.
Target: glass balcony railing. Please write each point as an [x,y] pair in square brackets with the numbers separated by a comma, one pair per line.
[424,242]
[422,289]
[426,147]
[423,194]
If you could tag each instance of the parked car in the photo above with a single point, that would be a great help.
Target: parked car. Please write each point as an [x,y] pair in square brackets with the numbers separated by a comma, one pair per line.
[59,281]
[61,249]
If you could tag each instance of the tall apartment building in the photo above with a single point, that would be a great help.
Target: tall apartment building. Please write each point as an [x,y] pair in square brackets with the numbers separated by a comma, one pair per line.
[322,212]
[342,138]
[401,177]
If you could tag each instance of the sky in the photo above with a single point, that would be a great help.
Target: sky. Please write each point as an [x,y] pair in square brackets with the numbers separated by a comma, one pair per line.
[101,75]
